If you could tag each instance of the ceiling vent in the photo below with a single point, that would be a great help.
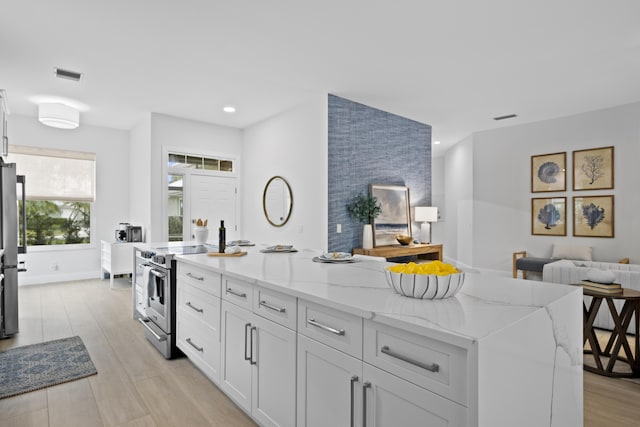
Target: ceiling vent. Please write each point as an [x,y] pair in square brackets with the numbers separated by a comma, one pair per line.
[508,116]
[67,74]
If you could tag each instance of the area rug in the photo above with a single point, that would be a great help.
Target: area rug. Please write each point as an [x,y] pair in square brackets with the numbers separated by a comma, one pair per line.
[36,366]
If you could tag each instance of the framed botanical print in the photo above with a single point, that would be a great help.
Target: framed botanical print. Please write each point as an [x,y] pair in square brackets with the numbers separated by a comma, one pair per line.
[395,217]
[549,216]
[593,169]
[593,216]
[548,172]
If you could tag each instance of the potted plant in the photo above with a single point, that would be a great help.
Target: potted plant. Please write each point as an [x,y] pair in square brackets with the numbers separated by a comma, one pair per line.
[365,209]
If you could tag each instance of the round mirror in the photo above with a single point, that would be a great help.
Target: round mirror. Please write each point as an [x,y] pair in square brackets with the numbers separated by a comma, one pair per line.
[277,201]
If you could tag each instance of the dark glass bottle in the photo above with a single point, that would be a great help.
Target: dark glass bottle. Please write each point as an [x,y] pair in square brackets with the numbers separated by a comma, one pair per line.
[222,238]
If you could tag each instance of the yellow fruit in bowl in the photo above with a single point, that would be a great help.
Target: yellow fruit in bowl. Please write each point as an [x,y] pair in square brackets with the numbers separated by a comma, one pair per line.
[438,268]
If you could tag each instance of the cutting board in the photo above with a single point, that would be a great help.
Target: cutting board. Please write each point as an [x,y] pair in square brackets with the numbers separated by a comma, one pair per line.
[237,254]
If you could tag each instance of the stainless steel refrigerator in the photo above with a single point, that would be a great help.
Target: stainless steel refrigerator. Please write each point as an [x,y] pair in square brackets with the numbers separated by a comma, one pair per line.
[10,246]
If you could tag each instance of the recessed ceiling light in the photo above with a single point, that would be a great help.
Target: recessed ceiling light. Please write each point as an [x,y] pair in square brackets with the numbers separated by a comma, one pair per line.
[229,109]
[436,142]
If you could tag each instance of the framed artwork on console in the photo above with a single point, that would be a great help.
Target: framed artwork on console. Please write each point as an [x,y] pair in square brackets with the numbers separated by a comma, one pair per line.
[593,169]
[395,217]
[593,216]
[548,172]
[549,216]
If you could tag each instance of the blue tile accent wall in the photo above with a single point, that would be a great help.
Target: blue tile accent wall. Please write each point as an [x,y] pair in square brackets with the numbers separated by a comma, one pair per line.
[370,146]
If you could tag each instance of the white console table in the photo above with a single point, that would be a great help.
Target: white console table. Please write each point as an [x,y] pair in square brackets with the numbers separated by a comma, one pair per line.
[116,258]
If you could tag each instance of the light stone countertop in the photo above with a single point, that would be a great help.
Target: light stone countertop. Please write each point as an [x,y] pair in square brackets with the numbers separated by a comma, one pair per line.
[485,304]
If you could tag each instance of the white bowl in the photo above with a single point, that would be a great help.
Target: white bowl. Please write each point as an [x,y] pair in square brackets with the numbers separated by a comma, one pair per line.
[425,286]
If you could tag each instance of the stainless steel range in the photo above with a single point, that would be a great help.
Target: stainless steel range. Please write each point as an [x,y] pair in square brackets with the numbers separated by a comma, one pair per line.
[154,296]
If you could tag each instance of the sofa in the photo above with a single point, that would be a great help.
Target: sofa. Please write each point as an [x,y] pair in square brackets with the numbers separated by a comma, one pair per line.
[574,271]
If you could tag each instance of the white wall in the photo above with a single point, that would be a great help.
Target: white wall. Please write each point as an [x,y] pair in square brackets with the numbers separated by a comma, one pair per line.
[140,173]
[161,131]
[112,196]
[502,195]
[293,145]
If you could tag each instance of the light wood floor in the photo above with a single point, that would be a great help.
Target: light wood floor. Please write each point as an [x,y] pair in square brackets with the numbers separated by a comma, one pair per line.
[136,386]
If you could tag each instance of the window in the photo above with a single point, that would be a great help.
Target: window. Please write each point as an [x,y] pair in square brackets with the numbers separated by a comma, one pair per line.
[60,189]
[189,161]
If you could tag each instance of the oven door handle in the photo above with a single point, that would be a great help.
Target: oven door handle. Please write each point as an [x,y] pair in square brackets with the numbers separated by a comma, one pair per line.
[144,323]
[158,274]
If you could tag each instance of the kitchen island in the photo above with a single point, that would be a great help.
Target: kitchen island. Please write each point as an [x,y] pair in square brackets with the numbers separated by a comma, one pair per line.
[295,342]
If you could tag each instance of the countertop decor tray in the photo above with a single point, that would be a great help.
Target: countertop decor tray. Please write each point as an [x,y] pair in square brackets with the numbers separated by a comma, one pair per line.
[236,254]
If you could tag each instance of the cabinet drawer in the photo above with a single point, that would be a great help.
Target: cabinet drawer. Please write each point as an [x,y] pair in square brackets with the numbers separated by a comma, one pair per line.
[199,343]
[201,278]
[334,328]
[238,292]
[426,362]
[199,304]
[275,306]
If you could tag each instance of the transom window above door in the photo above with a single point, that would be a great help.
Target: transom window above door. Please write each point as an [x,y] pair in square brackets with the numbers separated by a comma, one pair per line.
[190,161]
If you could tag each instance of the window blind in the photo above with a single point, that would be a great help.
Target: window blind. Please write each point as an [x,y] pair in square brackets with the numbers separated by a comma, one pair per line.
[55,174]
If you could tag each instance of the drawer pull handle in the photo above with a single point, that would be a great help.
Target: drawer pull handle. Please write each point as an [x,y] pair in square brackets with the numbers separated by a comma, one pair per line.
[434,367]
[325,327]
[200,349]
[200,278]
[273,307]
[236,293]
[193,307]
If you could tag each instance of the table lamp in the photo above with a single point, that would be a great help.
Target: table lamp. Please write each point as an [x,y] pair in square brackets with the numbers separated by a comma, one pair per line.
[426,215]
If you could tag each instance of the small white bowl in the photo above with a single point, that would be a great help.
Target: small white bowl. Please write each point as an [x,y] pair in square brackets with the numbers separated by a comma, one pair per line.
[425,286]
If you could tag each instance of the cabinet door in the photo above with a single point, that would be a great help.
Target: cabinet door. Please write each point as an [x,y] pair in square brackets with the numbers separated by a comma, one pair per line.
[329,386]
[391,401]
[235,372]
[274,374]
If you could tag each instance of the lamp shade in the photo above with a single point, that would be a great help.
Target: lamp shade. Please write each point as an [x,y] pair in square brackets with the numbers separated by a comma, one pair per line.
[426,214]
[58,116]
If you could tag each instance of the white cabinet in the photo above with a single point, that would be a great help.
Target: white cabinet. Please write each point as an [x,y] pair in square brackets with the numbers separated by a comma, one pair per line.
[336,387]
[392,401]
[116,258]
[198,327]
[258,359]
[329,386]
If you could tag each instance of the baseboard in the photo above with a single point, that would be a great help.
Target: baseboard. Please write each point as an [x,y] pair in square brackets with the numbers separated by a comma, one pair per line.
[55,278]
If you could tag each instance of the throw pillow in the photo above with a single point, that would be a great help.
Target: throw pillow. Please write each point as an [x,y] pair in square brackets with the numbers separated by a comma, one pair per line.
[578,252]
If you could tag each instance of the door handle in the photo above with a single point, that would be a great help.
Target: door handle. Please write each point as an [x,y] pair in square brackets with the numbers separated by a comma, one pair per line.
[246,327]
[353,380]
[253,328]
[365,386]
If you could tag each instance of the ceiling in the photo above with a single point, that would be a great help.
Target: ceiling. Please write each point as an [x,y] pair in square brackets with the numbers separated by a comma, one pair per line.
[451,64]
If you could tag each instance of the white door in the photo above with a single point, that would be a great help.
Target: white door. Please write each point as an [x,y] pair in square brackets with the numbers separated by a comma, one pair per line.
[274,374]
[392,401]
[235,370]
[329,386]
[213,198]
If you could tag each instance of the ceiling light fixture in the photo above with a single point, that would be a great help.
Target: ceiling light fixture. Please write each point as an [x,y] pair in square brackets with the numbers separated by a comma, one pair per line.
[436,142]
[58,116]
[229,109]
